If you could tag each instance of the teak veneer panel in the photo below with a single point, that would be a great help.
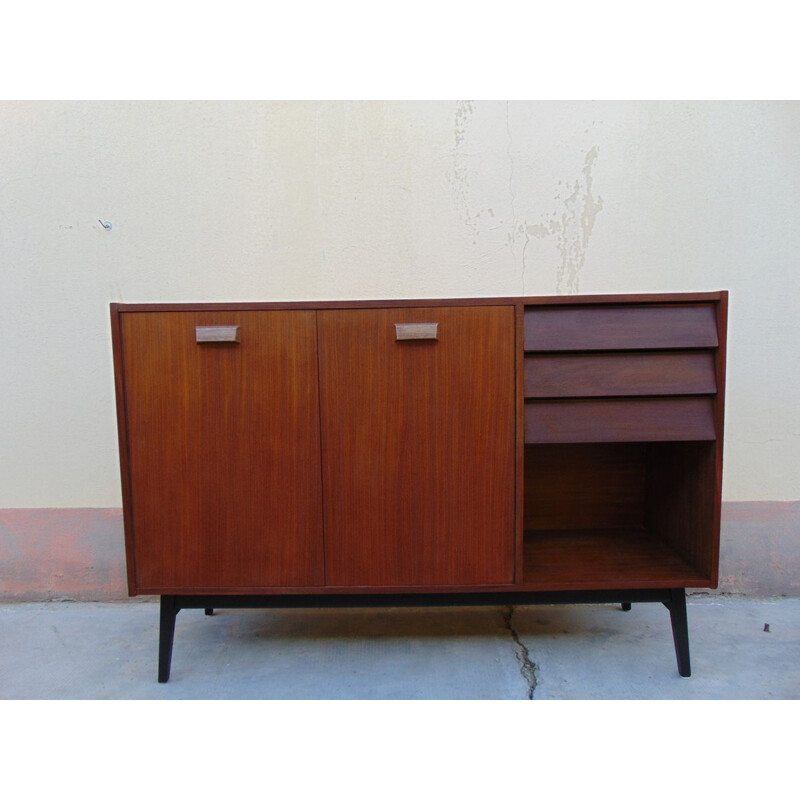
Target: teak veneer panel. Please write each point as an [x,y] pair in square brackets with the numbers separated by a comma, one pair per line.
[629,327]
[596,559]
[613,375]
[580,486]
[625,420]
[224,451]
[682,501]
[419,447]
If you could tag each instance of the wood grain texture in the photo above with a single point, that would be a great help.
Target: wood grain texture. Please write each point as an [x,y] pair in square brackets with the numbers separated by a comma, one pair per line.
[625,420]
[719,420]
[604,559]
[519,391]
[419,447]
[613,375]
[636,327]
[122,438]
[681,502]
[224,451]
[661,298]
[574,486]
[656,499]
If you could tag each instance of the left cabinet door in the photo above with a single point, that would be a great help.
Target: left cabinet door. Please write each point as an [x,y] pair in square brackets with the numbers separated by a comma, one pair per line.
[224,447]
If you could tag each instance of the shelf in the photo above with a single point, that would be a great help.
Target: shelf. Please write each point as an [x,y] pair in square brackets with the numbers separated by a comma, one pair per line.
[602,558]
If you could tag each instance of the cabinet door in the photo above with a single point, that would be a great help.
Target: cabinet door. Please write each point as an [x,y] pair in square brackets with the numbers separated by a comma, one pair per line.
[418,447]
[224,450]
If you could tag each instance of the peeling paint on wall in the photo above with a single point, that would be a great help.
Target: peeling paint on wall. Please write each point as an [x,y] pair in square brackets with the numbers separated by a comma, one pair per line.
[571,224]
[464,111]
[476,220]
[515,228]
[458,174]
[576,226]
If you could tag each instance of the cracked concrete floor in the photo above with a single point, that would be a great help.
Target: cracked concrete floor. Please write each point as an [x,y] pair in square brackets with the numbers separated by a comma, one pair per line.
[109,651]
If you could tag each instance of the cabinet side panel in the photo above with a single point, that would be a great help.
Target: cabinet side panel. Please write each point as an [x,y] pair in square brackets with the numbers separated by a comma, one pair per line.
[722,326]
[224,450]
[419,447]
[122,435]
[681,493]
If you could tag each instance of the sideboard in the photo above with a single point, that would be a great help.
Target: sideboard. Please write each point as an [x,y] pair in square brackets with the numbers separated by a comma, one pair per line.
[484,451]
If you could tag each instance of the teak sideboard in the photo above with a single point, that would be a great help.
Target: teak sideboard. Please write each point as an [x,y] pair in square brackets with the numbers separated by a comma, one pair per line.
[487,451]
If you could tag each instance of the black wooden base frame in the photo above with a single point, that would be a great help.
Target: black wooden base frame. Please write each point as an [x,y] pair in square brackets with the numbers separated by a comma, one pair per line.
[673,599]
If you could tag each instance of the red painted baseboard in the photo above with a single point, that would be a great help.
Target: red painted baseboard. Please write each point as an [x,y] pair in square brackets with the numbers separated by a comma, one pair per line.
[62,553]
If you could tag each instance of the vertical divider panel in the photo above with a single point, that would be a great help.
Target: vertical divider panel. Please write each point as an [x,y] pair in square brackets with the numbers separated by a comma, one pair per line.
[519,562]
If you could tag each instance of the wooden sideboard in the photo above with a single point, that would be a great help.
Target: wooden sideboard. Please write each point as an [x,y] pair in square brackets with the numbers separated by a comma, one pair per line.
[492,451]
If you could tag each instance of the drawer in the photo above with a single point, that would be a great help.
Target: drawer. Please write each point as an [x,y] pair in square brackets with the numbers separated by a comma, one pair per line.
[642,327]
[639,420]
[619,374]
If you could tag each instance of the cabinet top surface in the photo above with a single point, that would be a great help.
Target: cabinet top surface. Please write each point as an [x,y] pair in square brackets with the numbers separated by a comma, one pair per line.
[542,300]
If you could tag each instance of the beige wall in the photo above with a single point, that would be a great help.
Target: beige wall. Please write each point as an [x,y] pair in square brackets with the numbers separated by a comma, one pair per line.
[275,201]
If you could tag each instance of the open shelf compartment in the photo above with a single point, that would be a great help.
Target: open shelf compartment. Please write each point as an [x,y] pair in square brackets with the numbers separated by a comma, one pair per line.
[629,514]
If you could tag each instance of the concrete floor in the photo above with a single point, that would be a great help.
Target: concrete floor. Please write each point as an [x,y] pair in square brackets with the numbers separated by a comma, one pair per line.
[71,650]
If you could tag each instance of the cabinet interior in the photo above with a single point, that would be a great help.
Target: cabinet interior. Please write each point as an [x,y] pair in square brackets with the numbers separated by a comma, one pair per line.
[622,513]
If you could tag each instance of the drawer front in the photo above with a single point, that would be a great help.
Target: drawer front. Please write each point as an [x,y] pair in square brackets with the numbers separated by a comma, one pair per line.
[653,420]
[620,328]
[613,375]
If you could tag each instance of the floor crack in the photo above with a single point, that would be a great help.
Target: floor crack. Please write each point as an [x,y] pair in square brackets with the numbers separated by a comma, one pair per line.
[526,667]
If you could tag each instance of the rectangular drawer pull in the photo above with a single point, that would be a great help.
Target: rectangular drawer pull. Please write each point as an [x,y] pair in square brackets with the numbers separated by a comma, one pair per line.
[217,333]
[411,331]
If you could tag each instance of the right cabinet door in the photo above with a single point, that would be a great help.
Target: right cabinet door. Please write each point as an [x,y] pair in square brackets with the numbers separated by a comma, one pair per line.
[418,445]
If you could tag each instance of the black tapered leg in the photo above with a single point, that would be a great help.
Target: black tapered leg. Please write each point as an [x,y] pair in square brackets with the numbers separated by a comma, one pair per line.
[209,612]
[680,630]
[169,610]
[626,606]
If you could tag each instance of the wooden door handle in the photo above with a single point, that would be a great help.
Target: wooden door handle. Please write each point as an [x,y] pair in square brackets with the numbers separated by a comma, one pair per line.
[414,331]
[205,334]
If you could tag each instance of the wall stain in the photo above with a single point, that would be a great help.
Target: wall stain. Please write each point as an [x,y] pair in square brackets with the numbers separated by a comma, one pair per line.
[464,110]
[571,224]
[458,173]
[515,228]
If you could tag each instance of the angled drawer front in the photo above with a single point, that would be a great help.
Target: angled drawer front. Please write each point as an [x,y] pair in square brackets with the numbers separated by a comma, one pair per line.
[627,420]
[621,328]
[614,374]
[620,373]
